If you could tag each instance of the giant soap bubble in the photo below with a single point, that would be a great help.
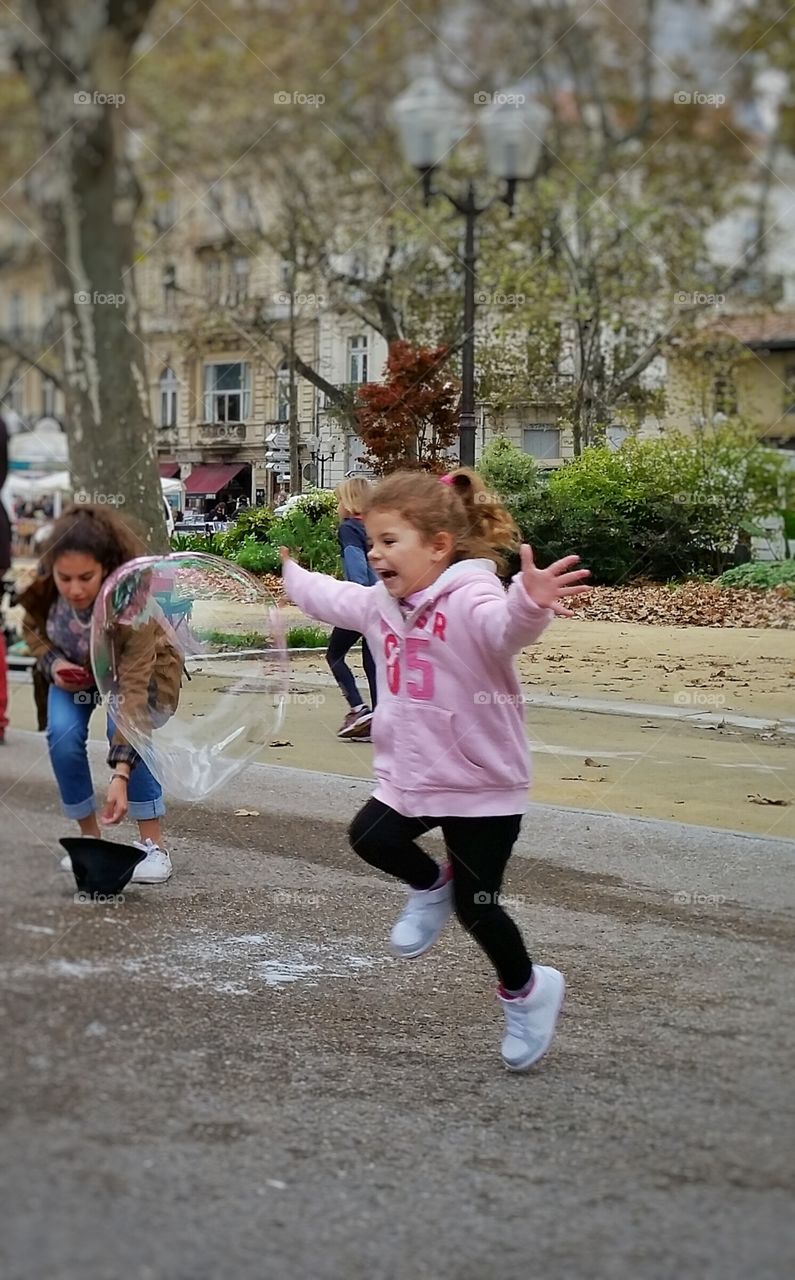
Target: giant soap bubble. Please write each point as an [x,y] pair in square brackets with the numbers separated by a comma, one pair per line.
[188,652]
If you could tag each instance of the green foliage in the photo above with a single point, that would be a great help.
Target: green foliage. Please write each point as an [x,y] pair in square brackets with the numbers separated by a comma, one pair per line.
[210,544]
[304,637]
[761,576]
[258,557]
[665,509]
[312,542]
[235,639]
[514,476]
[254,522]
[316,503]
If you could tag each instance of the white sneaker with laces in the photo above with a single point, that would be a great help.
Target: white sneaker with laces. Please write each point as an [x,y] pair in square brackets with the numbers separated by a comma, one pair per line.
[530,1020]
[422,920]
[156,867]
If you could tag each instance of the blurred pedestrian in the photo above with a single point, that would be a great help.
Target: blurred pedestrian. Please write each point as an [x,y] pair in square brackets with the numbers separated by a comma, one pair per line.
[5,565]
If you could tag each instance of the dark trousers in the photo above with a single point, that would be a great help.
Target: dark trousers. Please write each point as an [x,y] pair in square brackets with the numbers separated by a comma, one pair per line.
[340,644]
[478,849]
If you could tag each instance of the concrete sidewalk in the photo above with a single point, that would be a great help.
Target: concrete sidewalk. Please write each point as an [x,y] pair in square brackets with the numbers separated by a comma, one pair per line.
[230,1076]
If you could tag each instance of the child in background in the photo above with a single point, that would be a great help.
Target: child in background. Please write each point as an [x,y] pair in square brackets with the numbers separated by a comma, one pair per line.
[351,496]
[450,743]
[81,549]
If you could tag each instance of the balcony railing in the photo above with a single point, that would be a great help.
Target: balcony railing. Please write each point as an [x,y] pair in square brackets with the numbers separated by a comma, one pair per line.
[223,433]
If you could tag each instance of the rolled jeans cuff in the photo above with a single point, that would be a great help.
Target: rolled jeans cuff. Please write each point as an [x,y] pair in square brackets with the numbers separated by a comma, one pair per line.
[140,810]
[83,808]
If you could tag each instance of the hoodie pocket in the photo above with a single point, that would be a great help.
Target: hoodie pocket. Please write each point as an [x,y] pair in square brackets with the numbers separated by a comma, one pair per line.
[439,756]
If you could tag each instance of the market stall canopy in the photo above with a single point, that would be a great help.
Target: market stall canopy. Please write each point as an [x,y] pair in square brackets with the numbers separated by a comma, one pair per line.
[169,470]
[207,481]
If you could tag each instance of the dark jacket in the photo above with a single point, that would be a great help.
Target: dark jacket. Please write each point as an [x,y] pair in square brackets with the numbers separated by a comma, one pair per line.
[5,523]
[353,546]
[148,669]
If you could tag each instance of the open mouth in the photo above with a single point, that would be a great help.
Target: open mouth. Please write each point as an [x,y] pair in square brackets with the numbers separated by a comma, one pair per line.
[386,574]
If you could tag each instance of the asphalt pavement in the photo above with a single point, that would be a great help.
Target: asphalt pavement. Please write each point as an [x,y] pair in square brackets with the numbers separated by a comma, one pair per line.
[229,1077]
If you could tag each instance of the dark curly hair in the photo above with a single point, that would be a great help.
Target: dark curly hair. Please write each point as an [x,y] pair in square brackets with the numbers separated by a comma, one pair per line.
[92,530]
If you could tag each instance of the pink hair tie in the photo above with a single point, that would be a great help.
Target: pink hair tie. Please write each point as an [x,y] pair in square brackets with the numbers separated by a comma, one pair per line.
[448,479]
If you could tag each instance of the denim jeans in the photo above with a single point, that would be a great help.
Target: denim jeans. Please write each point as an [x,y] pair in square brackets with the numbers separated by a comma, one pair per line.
[68,715]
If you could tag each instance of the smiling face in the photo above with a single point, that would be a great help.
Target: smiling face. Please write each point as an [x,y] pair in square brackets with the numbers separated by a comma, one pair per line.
[78,578]
[404,560]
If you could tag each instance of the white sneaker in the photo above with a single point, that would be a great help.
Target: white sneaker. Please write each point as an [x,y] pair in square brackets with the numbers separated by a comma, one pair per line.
[65,864]
[530,1020]
[422,920]
[156,867]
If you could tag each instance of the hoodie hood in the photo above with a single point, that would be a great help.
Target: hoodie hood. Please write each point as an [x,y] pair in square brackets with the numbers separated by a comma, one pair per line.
[455,576]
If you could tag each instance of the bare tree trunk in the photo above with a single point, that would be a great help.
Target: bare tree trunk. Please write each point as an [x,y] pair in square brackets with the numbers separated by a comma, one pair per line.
[74,55]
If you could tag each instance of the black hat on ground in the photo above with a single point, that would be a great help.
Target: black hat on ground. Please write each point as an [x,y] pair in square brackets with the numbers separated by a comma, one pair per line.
[101,866]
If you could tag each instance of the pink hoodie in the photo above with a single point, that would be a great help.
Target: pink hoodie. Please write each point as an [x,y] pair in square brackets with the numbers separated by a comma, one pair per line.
[448,731]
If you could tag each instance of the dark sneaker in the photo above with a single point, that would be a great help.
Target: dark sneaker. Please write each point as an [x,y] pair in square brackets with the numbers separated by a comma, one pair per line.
[356,724]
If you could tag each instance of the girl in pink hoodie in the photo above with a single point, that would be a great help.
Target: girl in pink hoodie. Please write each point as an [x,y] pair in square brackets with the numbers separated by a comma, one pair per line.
[449,738]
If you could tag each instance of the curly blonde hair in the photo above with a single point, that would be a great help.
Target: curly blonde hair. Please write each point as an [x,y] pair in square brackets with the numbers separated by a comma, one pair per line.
[460,504]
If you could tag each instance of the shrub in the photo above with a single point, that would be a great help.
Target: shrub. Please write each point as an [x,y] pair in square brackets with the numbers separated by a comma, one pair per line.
[313,542]
[304,637]
[258,557]
[210,544]
[663,509]
[254,522]
[513,475]
[761,576]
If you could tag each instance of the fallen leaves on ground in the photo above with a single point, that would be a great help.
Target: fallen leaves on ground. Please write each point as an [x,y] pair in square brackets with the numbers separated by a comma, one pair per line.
[693,604]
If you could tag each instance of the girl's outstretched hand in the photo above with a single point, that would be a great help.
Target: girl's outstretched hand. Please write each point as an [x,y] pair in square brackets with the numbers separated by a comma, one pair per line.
[548,586]
[284,552]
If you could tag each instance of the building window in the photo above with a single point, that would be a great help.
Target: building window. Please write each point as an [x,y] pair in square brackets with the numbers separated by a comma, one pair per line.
[616,435]
[227,392]
[541,442]
[789,378]
[724,395]
[168,398]
[47,398]
[238,281]
[355,453]
[212,279]
[283,393]
[357,359]
[169,288]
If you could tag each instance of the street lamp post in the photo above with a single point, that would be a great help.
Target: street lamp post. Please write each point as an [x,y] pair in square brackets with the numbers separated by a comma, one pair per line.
[429,121]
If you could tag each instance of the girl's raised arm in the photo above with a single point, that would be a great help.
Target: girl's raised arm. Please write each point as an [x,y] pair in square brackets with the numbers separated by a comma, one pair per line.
[343,604]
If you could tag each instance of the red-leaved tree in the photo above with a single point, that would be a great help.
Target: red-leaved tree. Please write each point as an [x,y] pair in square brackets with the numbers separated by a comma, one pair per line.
[410,419]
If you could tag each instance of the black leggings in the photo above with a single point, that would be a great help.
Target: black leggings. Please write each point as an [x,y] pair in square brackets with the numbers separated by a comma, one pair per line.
[478,849]
[340,643]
